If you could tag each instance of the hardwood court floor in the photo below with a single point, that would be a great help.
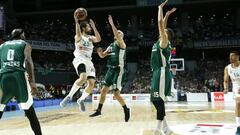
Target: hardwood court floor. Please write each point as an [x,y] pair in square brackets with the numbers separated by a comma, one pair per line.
[69,121]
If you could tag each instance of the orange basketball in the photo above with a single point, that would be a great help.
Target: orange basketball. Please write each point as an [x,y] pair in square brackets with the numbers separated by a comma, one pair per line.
[81,14]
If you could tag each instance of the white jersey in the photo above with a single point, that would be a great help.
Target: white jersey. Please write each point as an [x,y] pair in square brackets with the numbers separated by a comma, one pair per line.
[234,74]
[86,51]
[84,55]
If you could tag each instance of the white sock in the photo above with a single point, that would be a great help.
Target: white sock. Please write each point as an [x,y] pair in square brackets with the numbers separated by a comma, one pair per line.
[73,90]
[165,125]
[159,125]
[84,96]
[238,121]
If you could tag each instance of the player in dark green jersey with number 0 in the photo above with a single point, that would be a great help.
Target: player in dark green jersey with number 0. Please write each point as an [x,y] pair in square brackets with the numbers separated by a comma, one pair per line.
[115,75]
[160,64]
[16,63]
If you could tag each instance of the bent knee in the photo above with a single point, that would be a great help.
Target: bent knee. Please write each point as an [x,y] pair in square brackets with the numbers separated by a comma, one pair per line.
[104,90]
[116,93]
[83,77]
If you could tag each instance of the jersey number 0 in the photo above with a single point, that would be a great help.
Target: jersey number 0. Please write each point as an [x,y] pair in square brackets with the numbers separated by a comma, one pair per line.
[10,54]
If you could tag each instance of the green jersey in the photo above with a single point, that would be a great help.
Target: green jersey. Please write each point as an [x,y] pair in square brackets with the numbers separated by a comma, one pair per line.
[12,56]
[116,56]
[160,57]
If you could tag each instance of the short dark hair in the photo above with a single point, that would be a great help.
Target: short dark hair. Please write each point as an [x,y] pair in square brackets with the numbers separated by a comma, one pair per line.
[83,25]
[16,33]
[235,52]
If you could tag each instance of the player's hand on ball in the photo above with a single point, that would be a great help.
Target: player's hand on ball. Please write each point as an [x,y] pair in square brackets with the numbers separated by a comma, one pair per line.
[99,50]
[75,17]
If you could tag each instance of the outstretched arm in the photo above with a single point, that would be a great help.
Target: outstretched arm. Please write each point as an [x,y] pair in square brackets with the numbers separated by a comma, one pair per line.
[163,35]
[167,15]
[116,34]
[97,37]
[78,34]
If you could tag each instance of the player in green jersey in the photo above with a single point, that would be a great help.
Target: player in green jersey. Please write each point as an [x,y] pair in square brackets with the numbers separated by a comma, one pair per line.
[16,63]
[160,64]
[115,75]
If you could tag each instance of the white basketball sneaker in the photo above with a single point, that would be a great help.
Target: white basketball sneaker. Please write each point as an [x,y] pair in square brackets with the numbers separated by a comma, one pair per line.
[81,105]
[65,101]
[167,131]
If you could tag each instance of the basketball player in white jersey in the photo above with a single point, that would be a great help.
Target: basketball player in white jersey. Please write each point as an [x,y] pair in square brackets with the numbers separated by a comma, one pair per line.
[83,61]
[233,71]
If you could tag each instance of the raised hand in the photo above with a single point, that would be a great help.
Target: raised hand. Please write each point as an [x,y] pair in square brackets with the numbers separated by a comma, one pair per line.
[75,17]
[110,20]
[171,11]
[163,4]
[91,22]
